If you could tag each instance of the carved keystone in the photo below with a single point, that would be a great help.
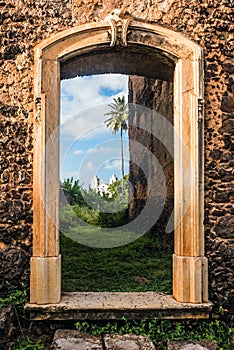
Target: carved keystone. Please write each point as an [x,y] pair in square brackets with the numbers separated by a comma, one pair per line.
[119,28]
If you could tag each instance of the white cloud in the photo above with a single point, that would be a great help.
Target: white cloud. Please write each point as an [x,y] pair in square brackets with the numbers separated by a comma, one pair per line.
[83,100]
[114,164]
[89,166]
[105,149]
[87,124]
[83,132]
[101,149]
[77,152]
[93,150]
[68,174]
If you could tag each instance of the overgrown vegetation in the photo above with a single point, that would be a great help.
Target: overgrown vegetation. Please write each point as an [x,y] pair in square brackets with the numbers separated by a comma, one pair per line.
[144,264]
[159,331]
[28,344]
[91,207]
[17,298]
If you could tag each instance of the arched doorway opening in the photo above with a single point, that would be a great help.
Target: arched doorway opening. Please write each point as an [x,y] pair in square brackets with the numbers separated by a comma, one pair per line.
[86,149]
[166,51]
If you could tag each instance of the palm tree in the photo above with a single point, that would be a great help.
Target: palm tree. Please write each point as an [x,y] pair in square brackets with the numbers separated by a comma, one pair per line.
[118,121]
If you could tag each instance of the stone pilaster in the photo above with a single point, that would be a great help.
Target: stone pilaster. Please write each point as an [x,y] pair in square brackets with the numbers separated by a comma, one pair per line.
[190,279]
[45,280]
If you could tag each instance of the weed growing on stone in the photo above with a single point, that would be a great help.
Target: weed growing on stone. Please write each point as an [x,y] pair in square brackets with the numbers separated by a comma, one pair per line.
[29,344]
[15,297]
[159,331]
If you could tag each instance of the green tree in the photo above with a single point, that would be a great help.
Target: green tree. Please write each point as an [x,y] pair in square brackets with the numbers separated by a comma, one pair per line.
[118,122]
[74,189]
[116,187]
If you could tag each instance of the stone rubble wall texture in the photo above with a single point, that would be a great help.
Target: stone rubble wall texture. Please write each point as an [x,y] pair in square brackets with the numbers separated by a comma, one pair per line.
[7,327]
[25,23]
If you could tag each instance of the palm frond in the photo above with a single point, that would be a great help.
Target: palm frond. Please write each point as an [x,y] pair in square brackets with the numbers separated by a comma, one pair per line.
[119,115]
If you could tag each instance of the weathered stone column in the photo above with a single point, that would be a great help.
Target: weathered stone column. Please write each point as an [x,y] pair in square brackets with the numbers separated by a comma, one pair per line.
[45,279]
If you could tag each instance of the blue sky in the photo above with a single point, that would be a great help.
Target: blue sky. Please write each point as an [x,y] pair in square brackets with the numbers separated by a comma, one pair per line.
[88,147]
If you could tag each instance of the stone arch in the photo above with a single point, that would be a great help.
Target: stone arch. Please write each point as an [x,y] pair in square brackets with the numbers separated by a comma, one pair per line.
[119,33]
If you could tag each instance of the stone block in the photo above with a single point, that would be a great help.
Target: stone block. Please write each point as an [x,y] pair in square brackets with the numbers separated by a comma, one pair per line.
[75,340]
[128,342]
[191,345]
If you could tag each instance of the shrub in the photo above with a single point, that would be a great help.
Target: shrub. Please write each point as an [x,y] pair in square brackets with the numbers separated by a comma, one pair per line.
[115,219]
[72,188]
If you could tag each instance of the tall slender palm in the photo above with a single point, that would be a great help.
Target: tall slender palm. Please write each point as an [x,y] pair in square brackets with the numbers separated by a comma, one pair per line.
[118,121]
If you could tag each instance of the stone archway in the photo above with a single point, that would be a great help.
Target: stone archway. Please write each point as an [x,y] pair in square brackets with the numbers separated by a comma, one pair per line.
[118,33]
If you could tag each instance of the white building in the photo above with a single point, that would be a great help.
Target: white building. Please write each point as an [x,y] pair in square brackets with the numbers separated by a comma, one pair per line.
[102,188]
[113,179]
[95,182]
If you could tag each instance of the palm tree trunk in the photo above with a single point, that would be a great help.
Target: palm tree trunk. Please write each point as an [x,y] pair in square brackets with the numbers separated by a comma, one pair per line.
[122,159]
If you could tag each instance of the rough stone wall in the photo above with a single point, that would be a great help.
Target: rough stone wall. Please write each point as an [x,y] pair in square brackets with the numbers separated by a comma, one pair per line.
[157,95]
[24,23]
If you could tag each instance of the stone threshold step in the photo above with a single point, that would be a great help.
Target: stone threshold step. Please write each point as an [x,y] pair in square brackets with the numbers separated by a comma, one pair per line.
[108,305]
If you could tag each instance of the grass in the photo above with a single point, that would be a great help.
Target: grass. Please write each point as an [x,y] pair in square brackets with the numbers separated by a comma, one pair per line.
[142,265]
[100,237]
[100,254]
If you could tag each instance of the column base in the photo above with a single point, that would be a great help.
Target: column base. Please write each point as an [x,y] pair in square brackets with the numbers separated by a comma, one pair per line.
[45,280]
[190,279]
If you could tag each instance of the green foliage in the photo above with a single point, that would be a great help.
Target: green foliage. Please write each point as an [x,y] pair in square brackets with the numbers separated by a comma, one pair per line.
[159,331]
[67,218]
[28,344]
[115,219]
[114,213]
[119,121]
[16,297]
[116,189]
[119,115]
[74,189]
[86,214]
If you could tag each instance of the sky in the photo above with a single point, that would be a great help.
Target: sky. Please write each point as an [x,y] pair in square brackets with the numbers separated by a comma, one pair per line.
[87,146]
